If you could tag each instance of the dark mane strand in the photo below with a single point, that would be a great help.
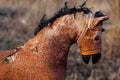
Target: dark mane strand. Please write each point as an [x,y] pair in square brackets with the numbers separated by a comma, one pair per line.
[83,4]
[63,11]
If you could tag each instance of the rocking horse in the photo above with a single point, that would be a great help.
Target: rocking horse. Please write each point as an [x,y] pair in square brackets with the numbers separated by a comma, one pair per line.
[44,57]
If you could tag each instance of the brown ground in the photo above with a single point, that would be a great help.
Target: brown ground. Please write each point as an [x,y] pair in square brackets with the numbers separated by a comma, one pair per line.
[19,18]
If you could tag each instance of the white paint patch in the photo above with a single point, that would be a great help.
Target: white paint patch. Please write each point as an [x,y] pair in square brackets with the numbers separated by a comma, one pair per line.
[53,32]
[62,21]
[80,27]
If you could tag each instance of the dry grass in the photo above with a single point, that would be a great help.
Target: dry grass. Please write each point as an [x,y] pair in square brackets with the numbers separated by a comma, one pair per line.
[17,28]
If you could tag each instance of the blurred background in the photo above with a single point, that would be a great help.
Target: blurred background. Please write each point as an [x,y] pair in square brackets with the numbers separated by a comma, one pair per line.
[19,18]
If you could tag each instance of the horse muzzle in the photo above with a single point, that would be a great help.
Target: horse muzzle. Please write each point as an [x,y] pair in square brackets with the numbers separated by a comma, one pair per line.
[91,51]
[94,54]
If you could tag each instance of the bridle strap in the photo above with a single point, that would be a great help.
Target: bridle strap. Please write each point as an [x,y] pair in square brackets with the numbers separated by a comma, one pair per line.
[90,20]
[80,38]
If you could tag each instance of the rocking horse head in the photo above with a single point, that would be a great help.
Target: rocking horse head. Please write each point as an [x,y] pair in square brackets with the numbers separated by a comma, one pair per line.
[90,38]
[86,26]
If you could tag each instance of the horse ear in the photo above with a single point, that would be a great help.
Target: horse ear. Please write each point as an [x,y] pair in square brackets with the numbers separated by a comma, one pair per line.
[99,19]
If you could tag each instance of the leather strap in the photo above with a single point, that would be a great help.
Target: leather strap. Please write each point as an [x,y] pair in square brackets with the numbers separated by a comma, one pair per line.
[82,35]
[80,38]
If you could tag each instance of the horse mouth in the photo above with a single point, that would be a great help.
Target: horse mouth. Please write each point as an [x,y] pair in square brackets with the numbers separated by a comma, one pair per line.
[94,58]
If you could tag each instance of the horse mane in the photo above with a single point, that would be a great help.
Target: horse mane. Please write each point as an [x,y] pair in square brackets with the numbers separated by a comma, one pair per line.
[63,11]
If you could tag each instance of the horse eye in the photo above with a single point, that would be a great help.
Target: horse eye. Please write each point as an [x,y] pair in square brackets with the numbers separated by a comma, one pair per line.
[103,30]
[97,38]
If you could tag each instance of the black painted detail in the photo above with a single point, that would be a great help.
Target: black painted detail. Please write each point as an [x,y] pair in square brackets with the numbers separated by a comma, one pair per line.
[86,58]
[96,58]
[97,38]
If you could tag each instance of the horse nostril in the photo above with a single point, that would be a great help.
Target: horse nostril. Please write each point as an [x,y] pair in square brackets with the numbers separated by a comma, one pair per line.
[96,58]
[97,38]
[86,58]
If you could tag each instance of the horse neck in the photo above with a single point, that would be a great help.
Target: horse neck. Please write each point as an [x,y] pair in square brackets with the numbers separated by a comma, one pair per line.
[56,38]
